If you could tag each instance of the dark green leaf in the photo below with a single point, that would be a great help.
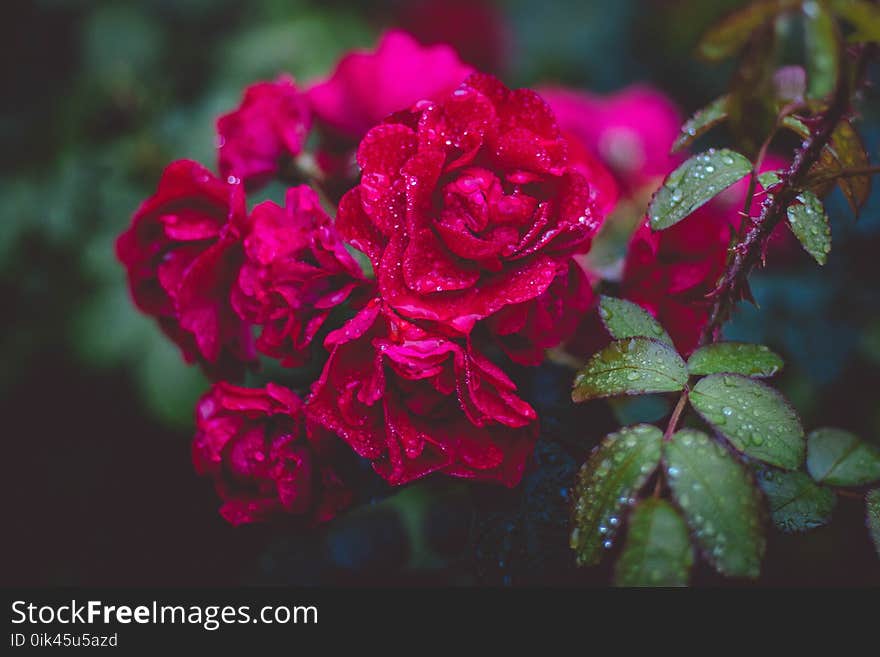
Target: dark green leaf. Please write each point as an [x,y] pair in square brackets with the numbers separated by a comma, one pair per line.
[754,417]
[809,223]
[696,181]
[727,37]
[734,358]
[839,458]
[822,48]
[849,151]
[657,550]
[701,122]
[625,319]
[863,15]
[720,502]
[605,485]
[630,367]
[797,503]
[872,503]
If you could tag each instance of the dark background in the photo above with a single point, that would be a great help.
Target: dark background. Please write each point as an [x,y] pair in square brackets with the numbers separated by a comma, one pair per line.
[96,406]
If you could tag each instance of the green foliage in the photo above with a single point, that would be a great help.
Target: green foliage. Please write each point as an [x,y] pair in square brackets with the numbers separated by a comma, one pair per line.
[864,16]
[810,225]
[797,503]
[625,319]
[872,511]
[658,550]
[701,122]
[755,418]
[731,34]
[822,49]
[768,179]
[694,183]
[606,484]
[839,458]
[630,367]
[734,358]
[720,502]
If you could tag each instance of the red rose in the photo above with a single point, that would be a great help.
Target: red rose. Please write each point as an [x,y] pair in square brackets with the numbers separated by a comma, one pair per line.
[295,272]
[468,205]
[252,443]
[272,121]
[182,253]
[671,272]
[415,402]
[366,87]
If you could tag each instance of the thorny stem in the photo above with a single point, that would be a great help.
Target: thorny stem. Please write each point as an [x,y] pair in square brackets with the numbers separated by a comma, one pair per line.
[733,284]
[749,251]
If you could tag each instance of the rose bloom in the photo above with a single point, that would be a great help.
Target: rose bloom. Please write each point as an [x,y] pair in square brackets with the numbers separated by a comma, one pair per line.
[296,271]
[272,122]
[468,205]
[416,402]
[630,131]
[253,444]
[368,86]
[182,254]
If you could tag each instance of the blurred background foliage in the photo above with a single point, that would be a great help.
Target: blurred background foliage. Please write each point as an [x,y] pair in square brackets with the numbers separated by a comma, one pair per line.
[101,95]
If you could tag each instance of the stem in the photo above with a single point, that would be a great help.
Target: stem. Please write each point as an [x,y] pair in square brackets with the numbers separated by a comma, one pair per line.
[667,435]
[676,415]
[733,285]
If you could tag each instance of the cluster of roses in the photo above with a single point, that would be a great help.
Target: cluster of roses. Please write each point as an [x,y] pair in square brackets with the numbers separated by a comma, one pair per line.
[472,203]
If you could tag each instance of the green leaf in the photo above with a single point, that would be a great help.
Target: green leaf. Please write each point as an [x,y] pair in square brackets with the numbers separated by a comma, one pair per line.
[658,548]
[797,503]
[754,417]
[630,367]
[701,122]
[695,182]
[872,504]
[839,458]
[625,319]
[810,225]
[822,49]
[796,126]
[720,502]
[864,16]
[727,37]
[605,485]
[768,179]
[734,358]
